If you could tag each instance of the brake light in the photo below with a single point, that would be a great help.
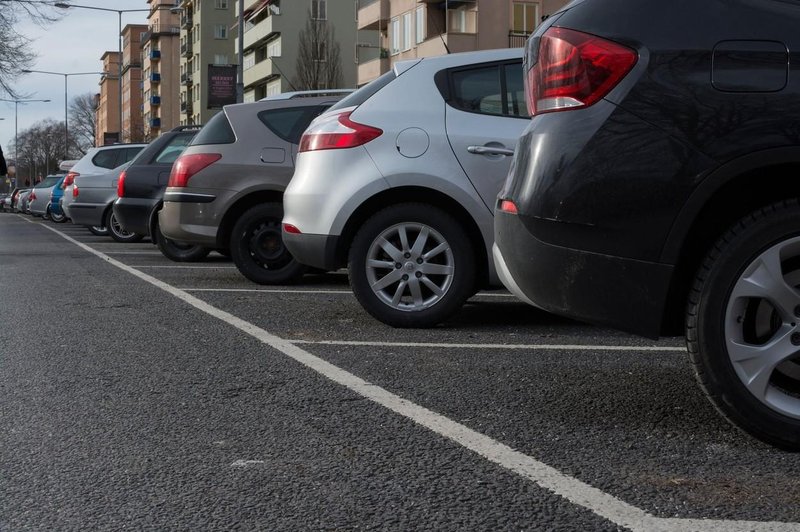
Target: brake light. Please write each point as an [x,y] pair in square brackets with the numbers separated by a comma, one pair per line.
[32,196]
[188,165]
[69,179]
[575,70]
[75,191]
[508,206]
[289,228]
[335,132]
[121,184]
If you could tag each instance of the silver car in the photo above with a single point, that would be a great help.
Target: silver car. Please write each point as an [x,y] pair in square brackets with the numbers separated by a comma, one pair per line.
[39,198]
[398,183]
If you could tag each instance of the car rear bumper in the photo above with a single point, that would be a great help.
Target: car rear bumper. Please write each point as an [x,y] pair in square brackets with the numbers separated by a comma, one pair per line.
[317,251]
[624,293]
[134,213]
[189,223]
[90,214]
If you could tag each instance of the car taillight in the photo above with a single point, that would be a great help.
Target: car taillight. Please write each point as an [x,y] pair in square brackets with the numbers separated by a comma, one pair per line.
[75,191]
[32,196]
[289,228]
[121,184]
[69,179]
[335,132]
[575,70]
[188,165]
[508,206]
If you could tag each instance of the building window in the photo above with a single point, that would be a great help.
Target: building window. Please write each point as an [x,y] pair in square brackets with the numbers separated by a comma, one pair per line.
[274,88]
[221,4]
[526,16]
[220,31]
[458,21]
[220,59]
[395,36]
[319,9]
[319,56]
[249,61]
[274,48]
[407,31]
[420,27]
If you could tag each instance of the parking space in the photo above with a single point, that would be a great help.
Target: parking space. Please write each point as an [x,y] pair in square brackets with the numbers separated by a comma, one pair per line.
[470,425]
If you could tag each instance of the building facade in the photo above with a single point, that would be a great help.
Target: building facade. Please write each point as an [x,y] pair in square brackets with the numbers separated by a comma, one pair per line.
[107,113]
[161,62]
[409,29]
[132,125]
[277,34]
[206,38]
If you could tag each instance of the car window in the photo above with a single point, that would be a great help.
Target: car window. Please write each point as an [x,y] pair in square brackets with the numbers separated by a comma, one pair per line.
[290,122]
[216,131]
[129,155]
[173,149]
[106,158]
[493,89]
[49,181]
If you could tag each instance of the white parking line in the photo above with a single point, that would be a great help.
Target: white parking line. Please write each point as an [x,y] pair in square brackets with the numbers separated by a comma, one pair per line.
[176,267]
[570,488]
[545,347]
[272,291]
[132,252]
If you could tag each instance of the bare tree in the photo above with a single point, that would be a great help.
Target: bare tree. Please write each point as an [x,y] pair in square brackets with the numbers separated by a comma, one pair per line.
[82,122]
[40,149]
[319,62]
[15,51]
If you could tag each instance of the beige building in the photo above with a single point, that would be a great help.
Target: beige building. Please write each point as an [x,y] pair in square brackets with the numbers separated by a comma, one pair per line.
[273,32]
[408,29]
[132,126]
[161,62]
[206,38]
[107,114]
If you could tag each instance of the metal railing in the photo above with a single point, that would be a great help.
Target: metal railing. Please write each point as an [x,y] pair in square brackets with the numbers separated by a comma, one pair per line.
[517,39]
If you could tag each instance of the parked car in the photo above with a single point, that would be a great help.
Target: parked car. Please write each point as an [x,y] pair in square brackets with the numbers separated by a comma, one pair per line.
[21,205]
[653,190]
[140,192]
[398,181]
[54,205]
[40,195]
[225,191]
[5,201]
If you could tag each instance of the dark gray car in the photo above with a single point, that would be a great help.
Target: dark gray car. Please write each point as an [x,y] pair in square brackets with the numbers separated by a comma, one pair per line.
[226,191]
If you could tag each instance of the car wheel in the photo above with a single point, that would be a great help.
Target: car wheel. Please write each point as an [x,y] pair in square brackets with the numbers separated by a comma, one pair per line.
[257,248]
[57,218]
[743,325]
[177,251]
[117,232]
[411,265]
[99,230]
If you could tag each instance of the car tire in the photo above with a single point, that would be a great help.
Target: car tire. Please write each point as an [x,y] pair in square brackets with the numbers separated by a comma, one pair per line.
[177,251]
[743,325]
[56,218]
[411,265]
[99,230]
[116,231]
[257,248]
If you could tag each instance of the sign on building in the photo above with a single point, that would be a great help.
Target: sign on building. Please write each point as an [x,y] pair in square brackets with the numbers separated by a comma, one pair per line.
[221,85]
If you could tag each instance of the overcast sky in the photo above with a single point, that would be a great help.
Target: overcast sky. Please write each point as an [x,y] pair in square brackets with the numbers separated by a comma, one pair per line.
[73,44]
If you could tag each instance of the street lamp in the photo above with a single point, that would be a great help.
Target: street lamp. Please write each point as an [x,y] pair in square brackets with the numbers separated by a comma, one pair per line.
[119,12]
[65,74]
[16,106]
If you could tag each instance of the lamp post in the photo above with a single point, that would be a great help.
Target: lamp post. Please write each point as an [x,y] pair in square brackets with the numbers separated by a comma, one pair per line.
[65,74]
[119,12]
[16,106]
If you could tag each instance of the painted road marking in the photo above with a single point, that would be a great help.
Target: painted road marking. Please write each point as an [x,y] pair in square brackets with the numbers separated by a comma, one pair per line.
[570,488]
[548,347]
[273,291]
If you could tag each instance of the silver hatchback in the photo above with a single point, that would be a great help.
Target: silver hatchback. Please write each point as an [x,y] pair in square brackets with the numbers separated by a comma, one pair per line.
[398,182]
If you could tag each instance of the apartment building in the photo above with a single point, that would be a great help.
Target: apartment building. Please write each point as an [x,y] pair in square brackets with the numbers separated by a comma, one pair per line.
[206,39]
[408,29]
[107,114]
[161,62]
[275,34]
[132,125]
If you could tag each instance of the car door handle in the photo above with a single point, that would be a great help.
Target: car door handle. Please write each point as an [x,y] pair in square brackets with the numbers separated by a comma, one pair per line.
[489,150]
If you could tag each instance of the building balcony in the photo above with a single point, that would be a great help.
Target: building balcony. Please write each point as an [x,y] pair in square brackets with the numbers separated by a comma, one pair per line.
[186,107]
[457,42]
[186,49]
[373,14]
[186,21]
[155,55]
[263,31]
[372,69]
[517,39]
[155,100]
[259,72]
[157,30]
[155,77]
[186,78]
[155,123]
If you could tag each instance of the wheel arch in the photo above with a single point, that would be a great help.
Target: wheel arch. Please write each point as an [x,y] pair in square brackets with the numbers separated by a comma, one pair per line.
[416,194]
[728,194]
[241,205]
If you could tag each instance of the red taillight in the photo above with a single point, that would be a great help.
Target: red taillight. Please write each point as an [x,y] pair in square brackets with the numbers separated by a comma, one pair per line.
[289,228]
[121,184]
[508,206]
[575,70]
[335,132]
[32,196]
[69,179]
[75,191]
[188,165]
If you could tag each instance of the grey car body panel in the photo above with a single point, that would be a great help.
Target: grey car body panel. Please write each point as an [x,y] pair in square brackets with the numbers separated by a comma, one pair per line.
[96,194]
[242,171]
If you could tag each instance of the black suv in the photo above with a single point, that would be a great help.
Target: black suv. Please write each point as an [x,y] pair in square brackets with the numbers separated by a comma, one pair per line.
[654,189]
[141,192]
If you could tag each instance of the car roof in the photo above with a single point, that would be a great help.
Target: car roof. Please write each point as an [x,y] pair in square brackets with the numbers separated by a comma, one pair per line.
[461,59]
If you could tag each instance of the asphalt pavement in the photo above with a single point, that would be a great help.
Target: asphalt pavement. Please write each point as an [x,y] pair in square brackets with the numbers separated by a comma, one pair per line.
[141,394]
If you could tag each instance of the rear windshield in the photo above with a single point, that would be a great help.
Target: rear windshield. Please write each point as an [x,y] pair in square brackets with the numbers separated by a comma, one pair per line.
[49,181]
[366,92]
[176,145]
[290,122]
[216,131]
